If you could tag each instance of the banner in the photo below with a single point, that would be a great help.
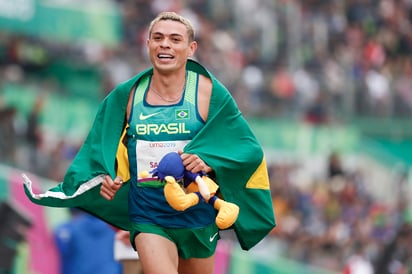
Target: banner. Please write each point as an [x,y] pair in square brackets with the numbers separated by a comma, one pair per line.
[63,21]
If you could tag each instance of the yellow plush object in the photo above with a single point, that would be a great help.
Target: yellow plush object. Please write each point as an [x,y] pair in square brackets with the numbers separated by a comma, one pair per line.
[180,200]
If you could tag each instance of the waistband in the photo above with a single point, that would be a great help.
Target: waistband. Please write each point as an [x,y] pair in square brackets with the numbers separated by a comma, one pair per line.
[155,183]
[151,182]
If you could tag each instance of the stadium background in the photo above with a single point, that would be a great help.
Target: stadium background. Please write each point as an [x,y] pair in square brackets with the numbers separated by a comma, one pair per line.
[313,78]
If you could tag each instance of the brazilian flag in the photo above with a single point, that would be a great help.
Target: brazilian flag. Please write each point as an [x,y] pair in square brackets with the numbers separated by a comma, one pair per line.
[226,143]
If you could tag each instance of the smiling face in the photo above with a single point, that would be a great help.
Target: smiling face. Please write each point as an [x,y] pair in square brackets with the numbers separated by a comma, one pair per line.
[170,45]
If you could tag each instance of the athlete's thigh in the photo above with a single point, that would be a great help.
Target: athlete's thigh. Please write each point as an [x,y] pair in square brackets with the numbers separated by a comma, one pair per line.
[157,253]
[197,265]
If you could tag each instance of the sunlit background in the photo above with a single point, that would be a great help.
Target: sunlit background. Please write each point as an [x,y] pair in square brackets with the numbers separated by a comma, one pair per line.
[325,85]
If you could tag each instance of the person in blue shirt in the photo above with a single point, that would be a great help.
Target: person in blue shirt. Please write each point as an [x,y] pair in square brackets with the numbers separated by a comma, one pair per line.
[85,245]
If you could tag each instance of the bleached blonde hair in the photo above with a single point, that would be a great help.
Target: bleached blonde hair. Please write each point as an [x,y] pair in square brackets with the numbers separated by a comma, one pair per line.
[170,15]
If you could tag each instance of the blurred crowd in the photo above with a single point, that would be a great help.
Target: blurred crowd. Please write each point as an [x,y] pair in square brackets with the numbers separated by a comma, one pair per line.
[334,219]
[288,58]
[278,58]
[314,61]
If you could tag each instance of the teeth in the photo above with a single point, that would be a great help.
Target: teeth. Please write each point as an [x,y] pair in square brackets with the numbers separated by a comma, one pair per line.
[165,56]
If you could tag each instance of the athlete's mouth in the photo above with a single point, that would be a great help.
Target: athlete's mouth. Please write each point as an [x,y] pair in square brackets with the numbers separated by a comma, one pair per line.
[165,56]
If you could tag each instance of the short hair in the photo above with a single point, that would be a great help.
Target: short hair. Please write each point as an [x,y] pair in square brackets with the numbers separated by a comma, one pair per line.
[169,15]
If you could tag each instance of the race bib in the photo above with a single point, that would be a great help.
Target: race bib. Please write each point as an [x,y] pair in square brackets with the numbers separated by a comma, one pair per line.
[150,153]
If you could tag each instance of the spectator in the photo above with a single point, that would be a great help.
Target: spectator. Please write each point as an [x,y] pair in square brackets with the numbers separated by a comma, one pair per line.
[85,245]
[8,134]
[34,134]
[335,165]
[358,263]
[125,254]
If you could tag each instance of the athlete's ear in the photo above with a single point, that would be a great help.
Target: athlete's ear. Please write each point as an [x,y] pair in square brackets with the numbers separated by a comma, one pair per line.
[192,48]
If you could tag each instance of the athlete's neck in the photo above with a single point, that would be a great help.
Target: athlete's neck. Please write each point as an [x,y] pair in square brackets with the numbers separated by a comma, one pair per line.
[168,85]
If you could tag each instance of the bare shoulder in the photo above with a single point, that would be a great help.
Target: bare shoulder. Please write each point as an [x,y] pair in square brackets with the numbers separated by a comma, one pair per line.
[204,94]
[205,84]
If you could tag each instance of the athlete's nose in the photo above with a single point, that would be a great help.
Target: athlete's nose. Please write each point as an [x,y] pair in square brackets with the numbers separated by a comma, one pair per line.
[165,43]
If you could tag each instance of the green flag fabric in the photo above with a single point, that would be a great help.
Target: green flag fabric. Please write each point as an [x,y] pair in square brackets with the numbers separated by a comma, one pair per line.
[226,143]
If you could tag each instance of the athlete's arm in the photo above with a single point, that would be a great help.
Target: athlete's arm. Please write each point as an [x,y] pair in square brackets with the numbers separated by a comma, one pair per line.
[193,162]
[204,93]
[109,187]
[129,103]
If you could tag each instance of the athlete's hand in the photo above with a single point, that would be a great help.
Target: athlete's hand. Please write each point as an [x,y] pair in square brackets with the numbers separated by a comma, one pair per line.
[194,163]
[123,236]
[110,187]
